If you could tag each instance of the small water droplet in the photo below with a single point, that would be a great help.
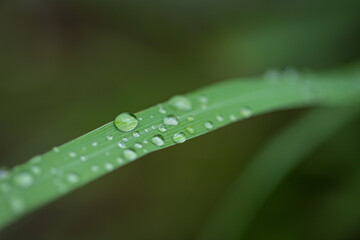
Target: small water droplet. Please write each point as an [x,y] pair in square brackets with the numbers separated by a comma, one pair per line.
[171,120]
[158,140]
[109,166]
[121,145]
[179,137]
[53,170]
[72,177]
[125,139]
[203,99]
[152,116]
[140,118]
[162,128]
[162,109]
[190,130]
[94,144]
[180,103]
[136,134]
[56,149]
[4,173]
[246,112]
[36,169]
[232,117]
[219,118]
[119,160]
[129,154]
[83,158]
[190,118]
[272,75]
[107,153]
[138,145]
[153,127]
[35,159]
[126,122]
[203,106]
[209,125]
[95,168]
[146,130]
[23,179]
[145,141]
[17,205]
[109,138]
[290,74]
[72,154]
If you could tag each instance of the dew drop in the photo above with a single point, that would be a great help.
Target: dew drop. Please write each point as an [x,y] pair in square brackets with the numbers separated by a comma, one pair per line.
[35,159]
[4,173]
[125,139]
[145,141]
[56,149]
[146,130]
[180,103]
[152,116]
[95,168]
[158,140]
[209,125]
[232,117]
[109,166]
[162,109]
[140,119]
[129,154]
[83,158]
[190,118]
[203,99]
[190,130]
[119,160]
[272,75]
[36,169]
[136,134]
[121,145]
[72,177]
[126,122]
[109,138]
[179,137]
[23,179]
[94,144]
[17,205]
[171,120]
[162,128]
[138,145]
[72,154]
[246,111]
[219,118]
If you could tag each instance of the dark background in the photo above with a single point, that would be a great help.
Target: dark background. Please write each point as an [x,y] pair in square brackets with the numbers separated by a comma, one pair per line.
[67,67]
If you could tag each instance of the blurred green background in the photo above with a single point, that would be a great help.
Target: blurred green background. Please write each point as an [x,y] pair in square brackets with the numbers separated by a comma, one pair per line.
[68,67]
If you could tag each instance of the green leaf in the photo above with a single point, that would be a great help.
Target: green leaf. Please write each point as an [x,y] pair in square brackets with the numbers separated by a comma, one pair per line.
[78,162]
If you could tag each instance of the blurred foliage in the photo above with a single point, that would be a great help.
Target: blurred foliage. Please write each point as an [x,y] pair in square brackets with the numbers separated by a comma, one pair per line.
[61,59]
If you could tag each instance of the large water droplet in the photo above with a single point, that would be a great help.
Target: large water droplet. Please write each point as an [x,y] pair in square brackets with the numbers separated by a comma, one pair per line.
[179,137]
[158,140]
[246,112]
[129,154]
[72,177]
[171,120]
[126,122]
[180,103]
[209,125]
[23,179]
